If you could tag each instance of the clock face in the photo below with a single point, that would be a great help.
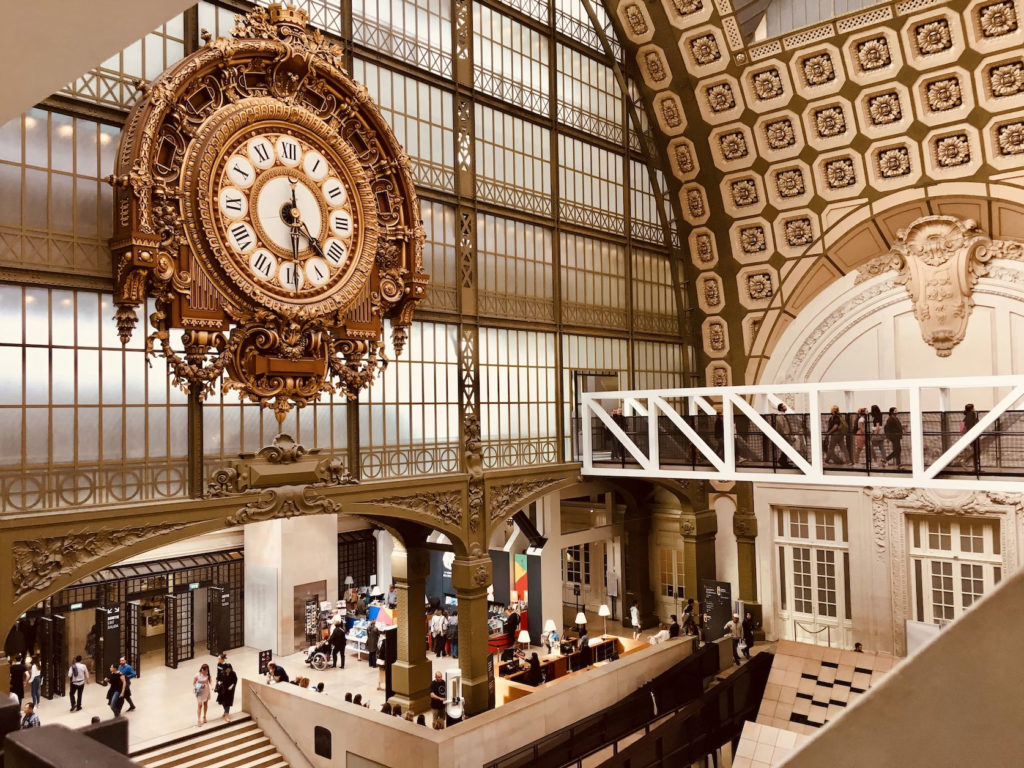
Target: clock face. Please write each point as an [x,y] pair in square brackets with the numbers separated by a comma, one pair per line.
[286,214]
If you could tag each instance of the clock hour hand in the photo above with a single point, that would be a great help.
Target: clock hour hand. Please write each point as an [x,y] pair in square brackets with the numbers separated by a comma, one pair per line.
[313,242]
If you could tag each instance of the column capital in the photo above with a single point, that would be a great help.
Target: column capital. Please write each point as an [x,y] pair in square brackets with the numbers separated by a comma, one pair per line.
[698,525]
[744,526]
[471,574]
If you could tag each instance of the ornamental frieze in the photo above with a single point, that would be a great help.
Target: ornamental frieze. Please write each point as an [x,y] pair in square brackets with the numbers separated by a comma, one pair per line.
[38,563]
[507,498]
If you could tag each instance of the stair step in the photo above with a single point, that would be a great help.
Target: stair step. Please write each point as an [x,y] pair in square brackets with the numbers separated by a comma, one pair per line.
[241,744]
[255,758]
[195,737]
[198,754]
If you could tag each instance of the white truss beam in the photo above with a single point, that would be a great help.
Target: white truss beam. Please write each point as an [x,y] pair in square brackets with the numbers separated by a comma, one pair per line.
[659,423]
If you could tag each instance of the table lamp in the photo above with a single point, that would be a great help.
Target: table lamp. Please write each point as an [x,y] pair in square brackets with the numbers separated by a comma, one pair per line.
[581,619]
[549,626]
[605,613]
[524,638]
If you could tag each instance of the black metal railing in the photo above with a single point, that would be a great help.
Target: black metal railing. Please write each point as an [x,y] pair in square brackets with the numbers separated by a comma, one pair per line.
[675,688]
[999,450]
[703,726]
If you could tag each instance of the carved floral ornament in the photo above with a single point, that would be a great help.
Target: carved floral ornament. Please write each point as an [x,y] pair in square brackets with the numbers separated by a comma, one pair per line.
[38,563]
[202,173]
[939,259]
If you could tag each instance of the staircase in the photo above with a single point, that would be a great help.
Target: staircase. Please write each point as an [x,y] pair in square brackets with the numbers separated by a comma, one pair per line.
[241,744]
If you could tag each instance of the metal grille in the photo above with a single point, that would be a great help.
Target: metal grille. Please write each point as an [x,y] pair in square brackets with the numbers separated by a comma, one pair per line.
[132,630]
[357,557]
[179,645]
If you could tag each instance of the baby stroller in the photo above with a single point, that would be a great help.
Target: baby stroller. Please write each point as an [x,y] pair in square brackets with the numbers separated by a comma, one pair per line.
[319,656]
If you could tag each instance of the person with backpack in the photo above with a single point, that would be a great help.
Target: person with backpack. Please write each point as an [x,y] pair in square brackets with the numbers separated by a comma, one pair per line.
[338,640]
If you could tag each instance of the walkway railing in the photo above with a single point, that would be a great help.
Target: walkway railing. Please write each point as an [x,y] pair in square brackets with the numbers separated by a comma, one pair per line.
[739,433]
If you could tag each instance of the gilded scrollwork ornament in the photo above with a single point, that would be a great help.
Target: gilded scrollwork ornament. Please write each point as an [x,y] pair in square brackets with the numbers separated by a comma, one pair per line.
[262,199]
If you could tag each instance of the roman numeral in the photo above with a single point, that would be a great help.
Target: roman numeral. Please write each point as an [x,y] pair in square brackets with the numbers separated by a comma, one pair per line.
[289,151]
[335,252]
[233,203]
[315,166]
[241,235]
[240,171]
[261,152]
[319,272]
[335,193]
[262,264]
[341,222]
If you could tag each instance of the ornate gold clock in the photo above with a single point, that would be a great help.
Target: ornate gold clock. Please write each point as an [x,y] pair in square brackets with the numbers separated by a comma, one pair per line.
[262,199]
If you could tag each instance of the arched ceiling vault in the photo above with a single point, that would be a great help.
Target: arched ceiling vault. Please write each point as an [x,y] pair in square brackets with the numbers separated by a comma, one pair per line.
[771,146]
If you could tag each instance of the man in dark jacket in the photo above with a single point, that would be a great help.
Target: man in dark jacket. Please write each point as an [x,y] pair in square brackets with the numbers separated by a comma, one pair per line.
[338,640]
[748,633]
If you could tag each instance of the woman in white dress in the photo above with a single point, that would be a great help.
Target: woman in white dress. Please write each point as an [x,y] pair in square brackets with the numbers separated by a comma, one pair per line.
[201,686]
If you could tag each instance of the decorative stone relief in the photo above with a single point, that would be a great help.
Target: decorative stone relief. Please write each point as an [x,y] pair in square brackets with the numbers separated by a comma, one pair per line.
[744,193]
[885,108]
[443,507]
[474,460]
[830,122]
[716,336]
[720,97]
[799,232]
[939,259]
[1006,79]
[894,162]
[759,286]
[952,151]
[780,134]
[790,182]
[997,19]
[705,50]
[284,501]
[733,145]
[873,54]
[503,500]
[1010,138]
[38,563]
[840,173]
[889,510]
[753,240]
[818,69]
[767,84]
[933,37]
[944,94]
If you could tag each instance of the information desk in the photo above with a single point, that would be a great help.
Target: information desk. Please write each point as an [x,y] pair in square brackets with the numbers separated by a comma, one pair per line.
[554,667]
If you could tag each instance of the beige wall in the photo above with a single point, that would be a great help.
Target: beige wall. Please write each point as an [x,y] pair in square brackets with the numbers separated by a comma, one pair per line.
[958,702]
[390,741]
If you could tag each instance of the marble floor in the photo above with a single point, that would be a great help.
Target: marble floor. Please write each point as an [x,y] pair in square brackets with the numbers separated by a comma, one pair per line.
[165,700]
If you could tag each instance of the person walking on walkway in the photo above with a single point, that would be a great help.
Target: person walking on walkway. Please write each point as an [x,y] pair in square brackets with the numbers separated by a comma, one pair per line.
[201,686]
[78,674]
[894,432]
[19,677]
[634,619]
[226,690]
[836,432]
[117,687]
[372,638]
[35,678]
[735,632]
[971,457]
[748,634]
[128,671]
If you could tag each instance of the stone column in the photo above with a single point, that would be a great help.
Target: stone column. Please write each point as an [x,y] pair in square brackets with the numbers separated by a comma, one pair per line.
[744,525]
[410,674]
[698,530]
[470,577]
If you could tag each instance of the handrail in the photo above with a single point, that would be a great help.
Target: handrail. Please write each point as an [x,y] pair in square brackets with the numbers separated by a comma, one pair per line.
[280,725]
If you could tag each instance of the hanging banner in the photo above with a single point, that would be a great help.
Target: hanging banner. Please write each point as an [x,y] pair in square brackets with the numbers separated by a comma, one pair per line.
[716,606]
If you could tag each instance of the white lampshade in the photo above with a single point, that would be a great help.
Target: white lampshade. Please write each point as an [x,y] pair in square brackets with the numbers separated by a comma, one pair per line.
[524,637]
[549,626]
[377,591]
[513,596]
[604,611]
[581,618]
[348,581]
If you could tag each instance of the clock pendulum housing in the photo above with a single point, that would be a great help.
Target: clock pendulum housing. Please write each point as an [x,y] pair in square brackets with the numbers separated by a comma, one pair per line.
[263,202]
